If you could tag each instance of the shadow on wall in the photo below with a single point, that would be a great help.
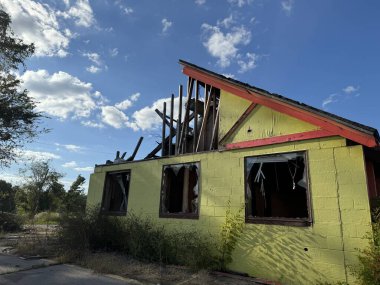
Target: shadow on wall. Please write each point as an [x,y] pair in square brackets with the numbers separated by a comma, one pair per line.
[284,254]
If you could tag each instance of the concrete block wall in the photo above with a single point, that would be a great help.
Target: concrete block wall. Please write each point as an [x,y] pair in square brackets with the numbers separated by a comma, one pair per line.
[292,255]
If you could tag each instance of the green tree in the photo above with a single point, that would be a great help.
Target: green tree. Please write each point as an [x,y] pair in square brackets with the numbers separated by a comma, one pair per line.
[41,179]
[18,118]
[75,200]
[7,197]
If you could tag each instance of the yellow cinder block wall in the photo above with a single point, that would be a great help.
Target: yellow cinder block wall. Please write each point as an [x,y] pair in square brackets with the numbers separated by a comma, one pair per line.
[339,204]
[291,255]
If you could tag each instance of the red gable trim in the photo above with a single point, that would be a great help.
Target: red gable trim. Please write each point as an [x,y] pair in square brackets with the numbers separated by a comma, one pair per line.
[315,119]
[281,139]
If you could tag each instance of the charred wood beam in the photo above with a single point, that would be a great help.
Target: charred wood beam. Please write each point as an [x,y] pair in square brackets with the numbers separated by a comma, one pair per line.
[204,122]
[171,124]
[163,130]
[195,133]
[184,129]
[158,112]
[215,127]
[132,157]
[179,123]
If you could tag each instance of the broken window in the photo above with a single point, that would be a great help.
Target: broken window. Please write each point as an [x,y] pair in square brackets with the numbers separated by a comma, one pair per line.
[180,190]
[277,189]
[115,194]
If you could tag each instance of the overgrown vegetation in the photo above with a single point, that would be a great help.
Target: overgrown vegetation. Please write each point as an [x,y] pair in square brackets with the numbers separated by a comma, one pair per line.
[368,271]
[230,232]
[10,222]
[137,237]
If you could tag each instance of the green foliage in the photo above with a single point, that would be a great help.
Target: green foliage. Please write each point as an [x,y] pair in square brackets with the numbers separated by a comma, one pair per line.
[368,272]
[230,232]
[46,218]
[135,236]
[10,222]
[18,118]
[75,199]
[7,197]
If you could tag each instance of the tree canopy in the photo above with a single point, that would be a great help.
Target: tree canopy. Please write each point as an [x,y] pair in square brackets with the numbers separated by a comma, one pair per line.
[18,117]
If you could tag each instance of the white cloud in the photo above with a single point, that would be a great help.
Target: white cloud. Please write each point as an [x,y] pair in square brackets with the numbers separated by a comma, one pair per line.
[166,24]
[147,119]
[37,23]
[200,2]
[61,94]
[287,6]
[70,164]
[81,12]
[124,105]
[229,75]
[92,124]
[93,69]
[224,46]
[332,98]
[31,155]
[114,52]
[84,169]
[350,89]
[240,3]
[226,22]
[93,57]
[134,97]
[128,10]
[112,116]
[70,147]
[249,64]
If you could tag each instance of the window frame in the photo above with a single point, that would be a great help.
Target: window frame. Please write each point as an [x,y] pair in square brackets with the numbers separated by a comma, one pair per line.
[115,213]
[192,216]
[297,222]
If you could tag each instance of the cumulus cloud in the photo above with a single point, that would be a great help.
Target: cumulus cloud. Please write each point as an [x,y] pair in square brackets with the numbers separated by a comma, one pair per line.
[73,165]
[93,69]
[124,105]
[128,10]
[166,24]
[249,64]
[61,95]
[81,12]
[224,45]
[37,23]
[287,6]
[32,155]
[240,3]
[200,2]
[114,117]
[350,89]
[96,60]
[92,124]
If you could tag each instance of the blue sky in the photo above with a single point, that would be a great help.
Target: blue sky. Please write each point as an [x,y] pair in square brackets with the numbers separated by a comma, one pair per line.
[102,67]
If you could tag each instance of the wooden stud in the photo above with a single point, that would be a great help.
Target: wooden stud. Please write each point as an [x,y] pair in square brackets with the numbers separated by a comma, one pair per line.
[179,121]
[171,124]
[163,131]
[238,122]
[196,117]
[204,122]
[214,128]
[185,127]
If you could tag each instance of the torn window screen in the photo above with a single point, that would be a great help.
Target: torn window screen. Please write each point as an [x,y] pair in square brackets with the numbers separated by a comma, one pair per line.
[277,186]
[180,189]
[115,194]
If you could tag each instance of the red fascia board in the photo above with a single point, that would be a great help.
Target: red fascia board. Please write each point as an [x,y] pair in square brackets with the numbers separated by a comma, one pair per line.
[282,107]
[281,139]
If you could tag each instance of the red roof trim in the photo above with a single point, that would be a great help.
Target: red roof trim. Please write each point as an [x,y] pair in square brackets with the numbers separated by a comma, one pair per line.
[281,139]
[315,119]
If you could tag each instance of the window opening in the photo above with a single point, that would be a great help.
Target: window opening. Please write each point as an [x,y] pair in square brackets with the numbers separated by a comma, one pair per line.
[180,189]
[277,187]
[116,190]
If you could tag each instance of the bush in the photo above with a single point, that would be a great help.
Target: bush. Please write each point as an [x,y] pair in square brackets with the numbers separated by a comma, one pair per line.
[10,222]
[46,218]
[135,236]
[368,273]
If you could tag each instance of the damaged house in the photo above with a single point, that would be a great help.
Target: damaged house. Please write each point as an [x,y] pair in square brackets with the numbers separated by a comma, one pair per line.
[307,178]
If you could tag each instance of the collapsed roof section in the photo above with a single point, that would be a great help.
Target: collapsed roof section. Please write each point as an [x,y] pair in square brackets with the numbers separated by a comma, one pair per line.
[196,126]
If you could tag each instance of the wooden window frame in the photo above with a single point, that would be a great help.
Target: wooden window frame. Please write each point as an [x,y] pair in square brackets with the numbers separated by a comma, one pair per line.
[297,222]
[191,216]
[115,213]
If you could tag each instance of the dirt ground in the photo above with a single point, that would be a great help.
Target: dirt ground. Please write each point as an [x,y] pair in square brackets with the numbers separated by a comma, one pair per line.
[31,243]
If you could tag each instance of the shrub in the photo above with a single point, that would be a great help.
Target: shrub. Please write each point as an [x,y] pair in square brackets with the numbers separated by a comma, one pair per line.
[10,222]
[136,236]
[368,272]
[46,218]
